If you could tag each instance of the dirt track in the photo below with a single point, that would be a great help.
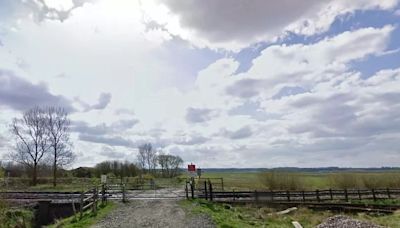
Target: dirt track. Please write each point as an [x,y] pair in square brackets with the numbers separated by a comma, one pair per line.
[152,213]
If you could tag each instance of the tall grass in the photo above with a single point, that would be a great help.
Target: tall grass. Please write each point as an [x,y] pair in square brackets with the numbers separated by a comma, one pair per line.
[276,180]
[282,180]
[365,180]
[15,218]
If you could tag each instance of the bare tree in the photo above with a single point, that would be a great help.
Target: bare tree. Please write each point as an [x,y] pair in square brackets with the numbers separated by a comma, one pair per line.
[175,163]
[170,165]
[163,162]
[147,157]
[32,140]
[141,157]
[57,129]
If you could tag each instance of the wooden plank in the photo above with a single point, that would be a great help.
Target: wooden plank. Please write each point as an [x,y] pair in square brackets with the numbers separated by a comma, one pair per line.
[87,206]
[296,224]
[287,211]
[88,198]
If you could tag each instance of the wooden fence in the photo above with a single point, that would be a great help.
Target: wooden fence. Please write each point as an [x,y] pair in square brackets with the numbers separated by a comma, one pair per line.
[87,200]
[209,193]
[217,183]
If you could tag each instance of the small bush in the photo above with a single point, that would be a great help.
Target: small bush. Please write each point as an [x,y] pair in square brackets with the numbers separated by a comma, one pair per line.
[282,180]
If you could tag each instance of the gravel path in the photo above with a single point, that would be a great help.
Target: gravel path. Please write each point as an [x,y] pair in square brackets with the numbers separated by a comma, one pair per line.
[341,221]
[152,213]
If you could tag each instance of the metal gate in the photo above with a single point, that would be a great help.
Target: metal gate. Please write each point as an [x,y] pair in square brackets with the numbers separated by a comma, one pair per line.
[146,188]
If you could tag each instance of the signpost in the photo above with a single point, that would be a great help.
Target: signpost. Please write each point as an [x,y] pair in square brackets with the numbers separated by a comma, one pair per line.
[192,167]
[104,179]
[199,172]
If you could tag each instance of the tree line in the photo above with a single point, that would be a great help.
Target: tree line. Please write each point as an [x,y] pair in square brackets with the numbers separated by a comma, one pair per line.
[43,146]
[149,160]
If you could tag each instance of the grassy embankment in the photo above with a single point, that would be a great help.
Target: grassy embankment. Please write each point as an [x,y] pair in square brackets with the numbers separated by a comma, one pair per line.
[87,220]
[225,215]
[15,217]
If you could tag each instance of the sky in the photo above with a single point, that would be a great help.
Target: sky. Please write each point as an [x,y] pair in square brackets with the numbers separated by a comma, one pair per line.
[220,83]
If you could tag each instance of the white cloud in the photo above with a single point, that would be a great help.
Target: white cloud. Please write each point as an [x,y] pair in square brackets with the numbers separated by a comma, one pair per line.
[234,25]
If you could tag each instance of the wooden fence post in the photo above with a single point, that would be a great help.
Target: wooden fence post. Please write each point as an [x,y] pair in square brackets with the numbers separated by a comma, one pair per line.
[272,195]
[74,209]
[222,183]
[192,189]
[303,196]
[81,206]
[256,196]
[317,195]
[330,194]
[233,193]
[388,193]
[94,199]
[123,193]
[211,190]
[205,190]
[103,194]
[288,195]
[346,196]
[373,194]
[359,194]
[187,190]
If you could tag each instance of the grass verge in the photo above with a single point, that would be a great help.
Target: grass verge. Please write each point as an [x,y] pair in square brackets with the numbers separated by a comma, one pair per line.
[225,215]
[87,220]
[15,217]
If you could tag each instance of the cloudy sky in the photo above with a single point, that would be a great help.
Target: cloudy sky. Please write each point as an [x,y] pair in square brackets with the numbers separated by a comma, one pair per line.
[222,83]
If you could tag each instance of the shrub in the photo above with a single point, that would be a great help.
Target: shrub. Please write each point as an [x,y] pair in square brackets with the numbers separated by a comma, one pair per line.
[282,180]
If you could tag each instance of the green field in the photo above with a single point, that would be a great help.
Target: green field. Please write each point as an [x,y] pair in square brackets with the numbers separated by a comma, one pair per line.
[305,180]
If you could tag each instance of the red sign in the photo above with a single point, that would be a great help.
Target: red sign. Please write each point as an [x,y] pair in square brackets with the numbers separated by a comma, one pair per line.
[191,168]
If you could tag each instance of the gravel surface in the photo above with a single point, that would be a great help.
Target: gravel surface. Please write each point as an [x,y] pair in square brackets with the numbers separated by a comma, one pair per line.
[153,213]
[341,221]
